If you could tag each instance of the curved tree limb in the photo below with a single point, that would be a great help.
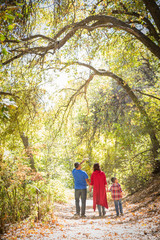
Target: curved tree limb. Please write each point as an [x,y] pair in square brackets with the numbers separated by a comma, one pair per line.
[154,10]
[147,22]
[9,94]
[71,101]
[129,91]
[90,23]
[30,38]
[146,94]
[6,93]
[13,58]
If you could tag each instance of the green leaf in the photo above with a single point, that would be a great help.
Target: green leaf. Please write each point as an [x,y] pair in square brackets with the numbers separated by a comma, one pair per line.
[11,17]
[2,37]
[10,27]
[4,51]
[19,15]
[19,4]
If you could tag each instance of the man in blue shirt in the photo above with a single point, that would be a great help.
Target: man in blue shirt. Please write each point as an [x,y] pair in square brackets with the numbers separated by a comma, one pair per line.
[80,181]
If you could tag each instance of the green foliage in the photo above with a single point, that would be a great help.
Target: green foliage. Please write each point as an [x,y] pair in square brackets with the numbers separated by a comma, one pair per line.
[24,192]
[5,105]
[17,198]
[99,122]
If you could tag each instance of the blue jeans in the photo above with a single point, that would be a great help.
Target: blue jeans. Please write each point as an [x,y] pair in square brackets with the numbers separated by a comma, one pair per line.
[101,210]
[83,194]
[118,206]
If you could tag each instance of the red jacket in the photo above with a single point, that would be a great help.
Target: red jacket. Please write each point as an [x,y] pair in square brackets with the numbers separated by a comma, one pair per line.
[98,180]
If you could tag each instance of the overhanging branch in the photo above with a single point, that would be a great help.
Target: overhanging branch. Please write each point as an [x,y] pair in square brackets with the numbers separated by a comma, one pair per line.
[6,94]
[67,32]
[148,95]
[129,91]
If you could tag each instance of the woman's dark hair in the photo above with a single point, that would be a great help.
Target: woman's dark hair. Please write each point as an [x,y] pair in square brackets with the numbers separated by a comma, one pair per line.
[96,167]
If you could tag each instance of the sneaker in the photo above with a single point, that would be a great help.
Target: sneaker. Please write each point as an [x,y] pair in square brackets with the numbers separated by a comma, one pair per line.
[76,215]
[83,216]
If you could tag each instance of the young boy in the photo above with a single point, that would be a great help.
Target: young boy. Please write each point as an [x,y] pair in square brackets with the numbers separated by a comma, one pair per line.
[116,193]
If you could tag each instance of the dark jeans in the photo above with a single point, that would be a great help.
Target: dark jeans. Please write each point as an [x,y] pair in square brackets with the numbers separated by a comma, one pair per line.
[101,210]
[83,194]
[118,206]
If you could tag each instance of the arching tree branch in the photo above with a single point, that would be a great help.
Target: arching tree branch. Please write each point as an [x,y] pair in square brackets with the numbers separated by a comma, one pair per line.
[6,93]
[146,94]
[145,22]
[66,33]
[154,10]
[129,91]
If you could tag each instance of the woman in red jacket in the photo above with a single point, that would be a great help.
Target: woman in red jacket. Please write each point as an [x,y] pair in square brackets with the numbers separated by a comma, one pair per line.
[99,183]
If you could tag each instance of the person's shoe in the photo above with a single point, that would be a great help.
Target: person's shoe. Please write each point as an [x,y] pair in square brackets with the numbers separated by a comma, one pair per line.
[104,213]
[83,216]
[122,214]
[76,215]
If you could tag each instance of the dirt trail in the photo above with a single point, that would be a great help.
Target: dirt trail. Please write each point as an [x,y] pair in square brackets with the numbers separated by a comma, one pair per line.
[64,226]
[108,227]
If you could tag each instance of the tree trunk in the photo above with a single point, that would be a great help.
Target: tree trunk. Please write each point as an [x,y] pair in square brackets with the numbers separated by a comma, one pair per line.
[154,10]
[148,123]
[28,150]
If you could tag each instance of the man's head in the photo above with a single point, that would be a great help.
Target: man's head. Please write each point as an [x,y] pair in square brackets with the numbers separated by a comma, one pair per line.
[77,165]
[114,180]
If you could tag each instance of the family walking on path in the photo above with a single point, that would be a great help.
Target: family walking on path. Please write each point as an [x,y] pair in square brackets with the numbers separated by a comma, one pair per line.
[99,184]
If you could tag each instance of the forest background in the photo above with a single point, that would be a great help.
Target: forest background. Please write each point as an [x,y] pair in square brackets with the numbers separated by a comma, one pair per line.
[79,80]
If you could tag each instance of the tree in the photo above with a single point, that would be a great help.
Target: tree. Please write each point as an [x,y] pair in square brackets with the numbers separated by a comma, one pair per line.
[20,104]
[131,19]
[140,21]
[149,126]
